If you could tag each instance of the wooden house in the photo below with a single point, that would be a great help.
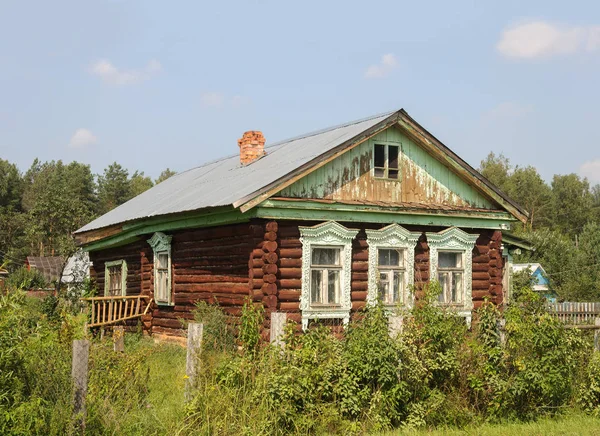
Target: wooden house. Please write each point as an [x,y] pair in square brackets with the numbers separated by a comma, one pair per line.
[316,226]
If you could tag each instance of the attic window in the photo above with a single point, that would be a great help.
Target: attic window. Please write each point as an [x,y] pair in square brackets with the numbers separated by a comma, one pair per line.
[386,161]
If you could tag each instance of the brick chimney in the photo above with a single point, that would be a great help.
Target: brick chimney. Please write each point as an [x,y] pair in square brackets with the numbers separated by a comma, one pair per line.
[252,146]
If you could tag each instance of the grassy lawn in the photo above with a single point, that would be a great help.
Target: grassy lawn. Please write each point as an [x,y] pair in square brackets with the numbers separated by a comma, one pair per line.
[572,424]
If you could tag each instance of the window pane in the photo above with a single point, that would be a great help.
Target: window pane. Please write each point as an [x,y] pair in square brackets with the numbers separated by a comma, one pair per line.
[443,279]
[398,287]
[393,156]
[379,172]
[393,174]
[161,290]
[162,260]
[114,280]
[316,283]
[449,259]
[390,257]
[379,156]
[326,256]
[384,285]
[333,287]
[457,285]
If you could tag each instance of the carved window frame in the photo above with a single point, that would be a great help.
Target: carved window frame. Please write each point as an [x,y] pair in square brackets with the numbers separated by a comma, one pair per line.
[328,234]
[107,265]
[161,244]
[457,240]
[393,236]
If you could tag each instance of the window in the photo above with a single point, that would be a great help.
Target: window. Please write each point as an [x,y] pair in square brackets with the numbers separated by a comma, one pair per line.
[326,272]
[391,264]
[386,161]
[450,276]
[325,278]
[450,262]
[161,246]
[115,278]
[391,275]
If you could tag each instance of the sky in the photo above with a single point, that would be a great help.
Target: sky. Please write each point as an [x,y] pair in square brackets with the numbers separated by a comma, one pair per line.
[156,84]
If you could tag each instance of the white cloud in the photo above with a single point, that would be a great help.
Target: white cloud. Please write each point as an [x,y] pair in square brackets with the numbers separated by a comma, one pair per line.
[219,100]
[115,76]
[387,64]
[540,39]
[82,138]
[591,170]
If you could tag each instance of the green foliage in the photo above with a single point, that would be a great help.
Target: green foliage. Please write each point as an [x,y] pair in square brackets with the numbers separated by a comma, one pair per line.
[25,279]
[217,334]
[113,188]
[250,324]
[589,389]
[165,175]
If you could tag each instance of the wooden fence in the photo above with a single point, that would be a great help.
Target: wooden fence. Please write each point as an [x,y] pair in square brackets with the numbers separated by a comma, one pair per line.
[575,313]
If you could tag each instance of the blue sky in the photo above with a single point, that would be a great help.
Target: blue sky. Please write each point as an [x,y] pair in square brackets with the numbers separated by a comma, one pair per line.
[154,84]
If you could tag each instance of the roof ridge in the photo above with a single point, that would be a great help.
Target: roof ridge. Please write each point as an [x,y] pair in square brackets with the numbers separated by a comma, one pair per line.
[295,138]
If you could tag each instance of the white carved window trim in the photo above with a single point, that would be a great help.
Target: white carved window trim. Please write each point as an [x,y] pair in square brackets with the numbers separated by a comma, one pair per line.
[391,237]
[456,240]
[328,234]
[161,244]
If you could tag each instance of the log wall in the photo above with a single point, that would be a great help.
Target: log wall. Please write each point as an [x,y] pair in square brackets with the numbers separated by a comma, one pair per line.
[263,260]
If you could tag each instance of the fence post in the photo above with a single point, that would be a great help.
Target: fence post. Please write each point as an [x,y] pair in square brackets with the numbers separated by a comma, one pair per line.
[395,325]
[119,338]
[79,374]
[501,327]
[278,320]
[194,348]
[597,334]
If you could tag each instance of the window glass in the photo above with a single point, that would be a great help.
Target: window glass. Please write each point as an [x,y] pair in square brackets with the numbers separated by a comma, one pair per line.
[448,259]
[379,156]
[326,256]
[115,283]
[390,257]
[393,156]
[450,276]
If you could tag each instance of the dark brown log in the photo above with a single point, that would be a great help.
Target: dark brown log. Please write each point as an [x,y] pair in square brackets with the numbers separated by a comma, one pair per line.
[290,263]
[269,268]
[257,253]
[360,276]
[271,226]
[230,288]
[290,283]
[188,278]
[294,253]
[290,243]
[270,246]
[290,273]
[258,273]
[289,305]
[359,295]
[480,295]
[270,257]
[257,283]
[481,284]
[269,289]
[270,236]
[358,305]
[481,276]
[359,286]
[481,267]
[164,322]
[482,258]
[270,301]
[360,254]
[360,266]
[270,278]
[289,295]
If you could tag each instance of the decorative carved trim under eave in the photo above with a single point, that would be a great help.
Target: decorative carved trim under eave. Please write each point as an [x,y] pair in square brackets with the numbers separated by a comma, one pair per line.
[329,233]
[392,236]
[454,238]
[160,242]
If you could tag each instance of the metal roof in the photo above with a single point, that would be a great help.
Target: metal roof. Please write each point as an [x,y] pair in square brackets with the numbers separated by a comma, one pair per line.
[224,181]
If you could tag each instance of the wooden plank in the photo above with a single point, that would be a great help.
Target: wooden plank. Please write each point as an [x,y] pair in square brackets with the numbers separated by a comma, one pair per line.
[194,349]
[79,375]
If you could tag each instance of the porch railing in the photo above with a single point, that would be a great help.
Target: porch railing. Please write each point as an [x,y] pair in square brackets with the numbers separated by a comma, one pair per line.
[112,310]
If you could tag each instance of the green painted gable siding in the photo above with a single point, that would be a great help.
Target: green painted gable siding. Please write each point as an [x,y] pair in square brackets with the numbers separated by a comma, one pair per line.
[423,179]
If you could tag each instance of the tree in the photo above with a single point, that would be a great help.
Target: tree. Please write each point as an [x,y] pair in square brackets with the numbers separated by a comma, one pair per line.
[138,184]
[496,169]
[165,175]
[571,203]
[529,190]
[58,199]
[113,188]
[11,186]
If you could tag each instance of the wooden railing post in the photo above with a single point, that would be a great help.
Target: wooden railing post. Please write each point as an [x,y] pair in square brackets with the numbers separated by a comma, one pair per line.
[194,348]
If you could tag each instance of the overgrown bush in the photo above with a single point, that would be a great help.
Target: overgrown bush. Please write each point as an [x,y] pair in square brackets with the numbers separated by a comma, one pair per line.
[25,279]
